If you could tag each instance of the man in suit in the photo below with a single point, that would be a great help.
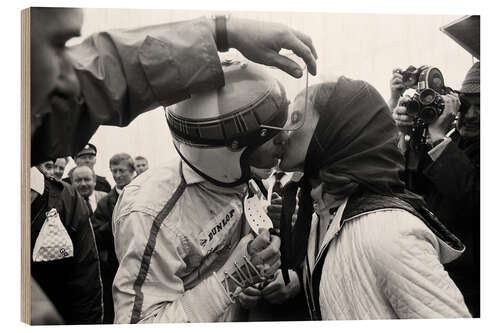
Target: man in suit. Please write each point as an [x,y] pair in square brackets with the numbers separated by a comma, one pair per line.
[122,168]
[64,259]
[83,179]
[87,156]
[274,303]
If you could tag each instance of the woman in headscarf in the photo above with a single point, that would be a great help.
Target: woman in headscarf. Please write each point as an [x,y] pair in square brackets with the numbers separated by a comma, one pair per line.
[366,249]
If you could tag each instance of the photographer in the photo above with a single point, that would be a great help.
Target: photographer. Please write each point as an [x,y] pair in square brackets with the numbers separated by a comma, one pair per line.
[447,174]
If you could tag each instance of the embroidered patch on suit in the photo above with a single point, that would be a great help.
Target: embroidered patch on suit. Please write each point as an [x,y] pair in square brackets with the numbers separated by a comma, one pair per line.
[217,228]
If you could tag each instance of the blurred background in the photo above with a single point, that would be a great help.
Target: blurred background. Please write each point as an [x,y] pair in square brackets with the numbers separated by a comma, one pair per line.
[360,46]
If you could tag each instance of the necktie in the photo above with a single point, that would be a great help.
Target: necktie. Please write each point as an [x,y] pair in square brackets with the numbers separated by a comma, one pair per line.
[278,187]
[91,212]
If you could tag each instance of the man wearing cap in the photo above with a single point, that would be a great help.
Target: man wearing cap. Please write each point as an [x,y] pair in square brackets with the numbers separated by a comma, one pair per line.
[449,178]
[184,247]
[87,156]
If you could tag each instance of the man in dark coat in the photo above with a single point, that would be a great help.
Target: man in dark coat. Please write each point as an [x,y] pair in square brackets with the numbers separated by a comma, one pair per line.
[66,268]
[87,157]
[448,179]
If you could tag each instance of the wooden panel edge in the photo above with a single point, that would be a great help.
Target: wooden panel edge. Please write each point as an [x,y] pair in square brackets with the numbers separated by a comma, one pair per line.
[25,166]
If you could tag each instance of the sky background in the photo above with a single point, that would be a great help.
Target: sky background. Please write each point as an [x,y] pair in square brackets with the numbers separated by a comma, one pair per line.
[360,46]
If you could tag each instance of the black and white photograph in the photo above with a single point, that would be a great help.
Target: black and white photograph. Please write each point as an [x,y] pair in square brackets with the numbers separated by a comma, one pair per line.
[199,166]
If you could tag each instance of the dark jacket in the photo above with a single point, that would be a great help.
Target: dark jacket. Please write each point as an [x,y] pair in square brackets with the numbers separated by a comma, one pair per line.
[119,79]
[106,246]
[101,184]
[450,186]
[72,284]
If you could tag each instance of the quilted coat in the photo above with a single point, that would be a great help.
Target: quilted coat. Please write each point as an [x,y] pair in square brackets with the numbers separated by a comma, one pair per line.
[381,264]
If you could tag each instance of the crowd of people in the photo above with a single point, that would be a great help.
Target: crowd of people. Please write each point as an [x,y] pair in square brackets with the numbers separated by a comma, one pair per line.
[351,237]
[100,200]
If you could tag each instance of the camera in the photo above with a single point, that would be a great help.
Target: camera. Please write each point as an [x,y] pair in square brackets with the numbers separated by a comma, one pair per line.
[427,104]
[410,76]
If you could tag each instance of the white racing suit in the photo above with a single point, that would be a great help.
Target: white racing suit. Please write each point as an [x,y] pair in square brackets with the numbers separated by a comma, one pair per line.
[172,230]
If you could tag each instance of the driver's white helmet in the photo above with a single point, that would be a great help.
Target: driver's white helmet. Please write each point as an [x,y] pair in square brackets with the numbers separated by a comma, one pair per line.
[214,132]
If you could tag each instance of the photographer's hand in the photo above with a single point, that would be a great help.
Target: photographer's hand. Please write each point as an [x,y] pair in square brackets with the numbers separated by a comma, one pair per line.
[261,42]
[397,87]
[439,128]
[403,120]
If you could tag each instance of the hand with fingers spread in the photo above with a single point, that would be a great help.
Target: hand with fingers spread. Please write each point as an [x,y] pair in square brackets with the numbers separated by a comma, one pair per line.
[277,292]
[261,42]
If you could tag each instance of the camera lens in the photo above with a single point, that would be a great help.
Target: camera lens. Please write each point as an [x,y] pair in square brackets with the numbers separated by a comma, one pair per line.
[412,107]
[427,96]
[429,114]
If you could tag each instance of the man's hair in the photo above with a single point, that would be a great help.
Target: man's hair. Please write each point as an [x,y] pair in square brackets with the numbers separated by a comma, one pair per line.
[72,171]
[141,158]
[122,157]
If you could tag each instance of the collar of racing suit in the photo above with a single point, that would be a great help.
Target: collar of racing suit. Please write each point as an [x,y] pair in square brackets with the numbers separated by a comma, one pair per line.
[191,177]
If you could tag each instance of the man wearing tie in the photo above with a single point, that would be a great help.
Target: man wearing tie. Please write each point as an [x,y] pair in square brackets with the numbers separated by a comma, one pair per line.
[83,179]
[273,303]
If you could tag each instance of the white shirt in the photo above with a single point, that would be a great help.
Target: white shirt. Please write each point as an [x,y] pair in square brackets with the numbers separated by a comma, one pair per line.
[269,182]
[93,201]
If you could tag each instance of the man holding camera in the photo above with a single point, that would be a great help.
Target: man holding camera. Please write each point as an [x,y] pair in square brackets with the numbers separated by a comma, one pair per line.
[447,174]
